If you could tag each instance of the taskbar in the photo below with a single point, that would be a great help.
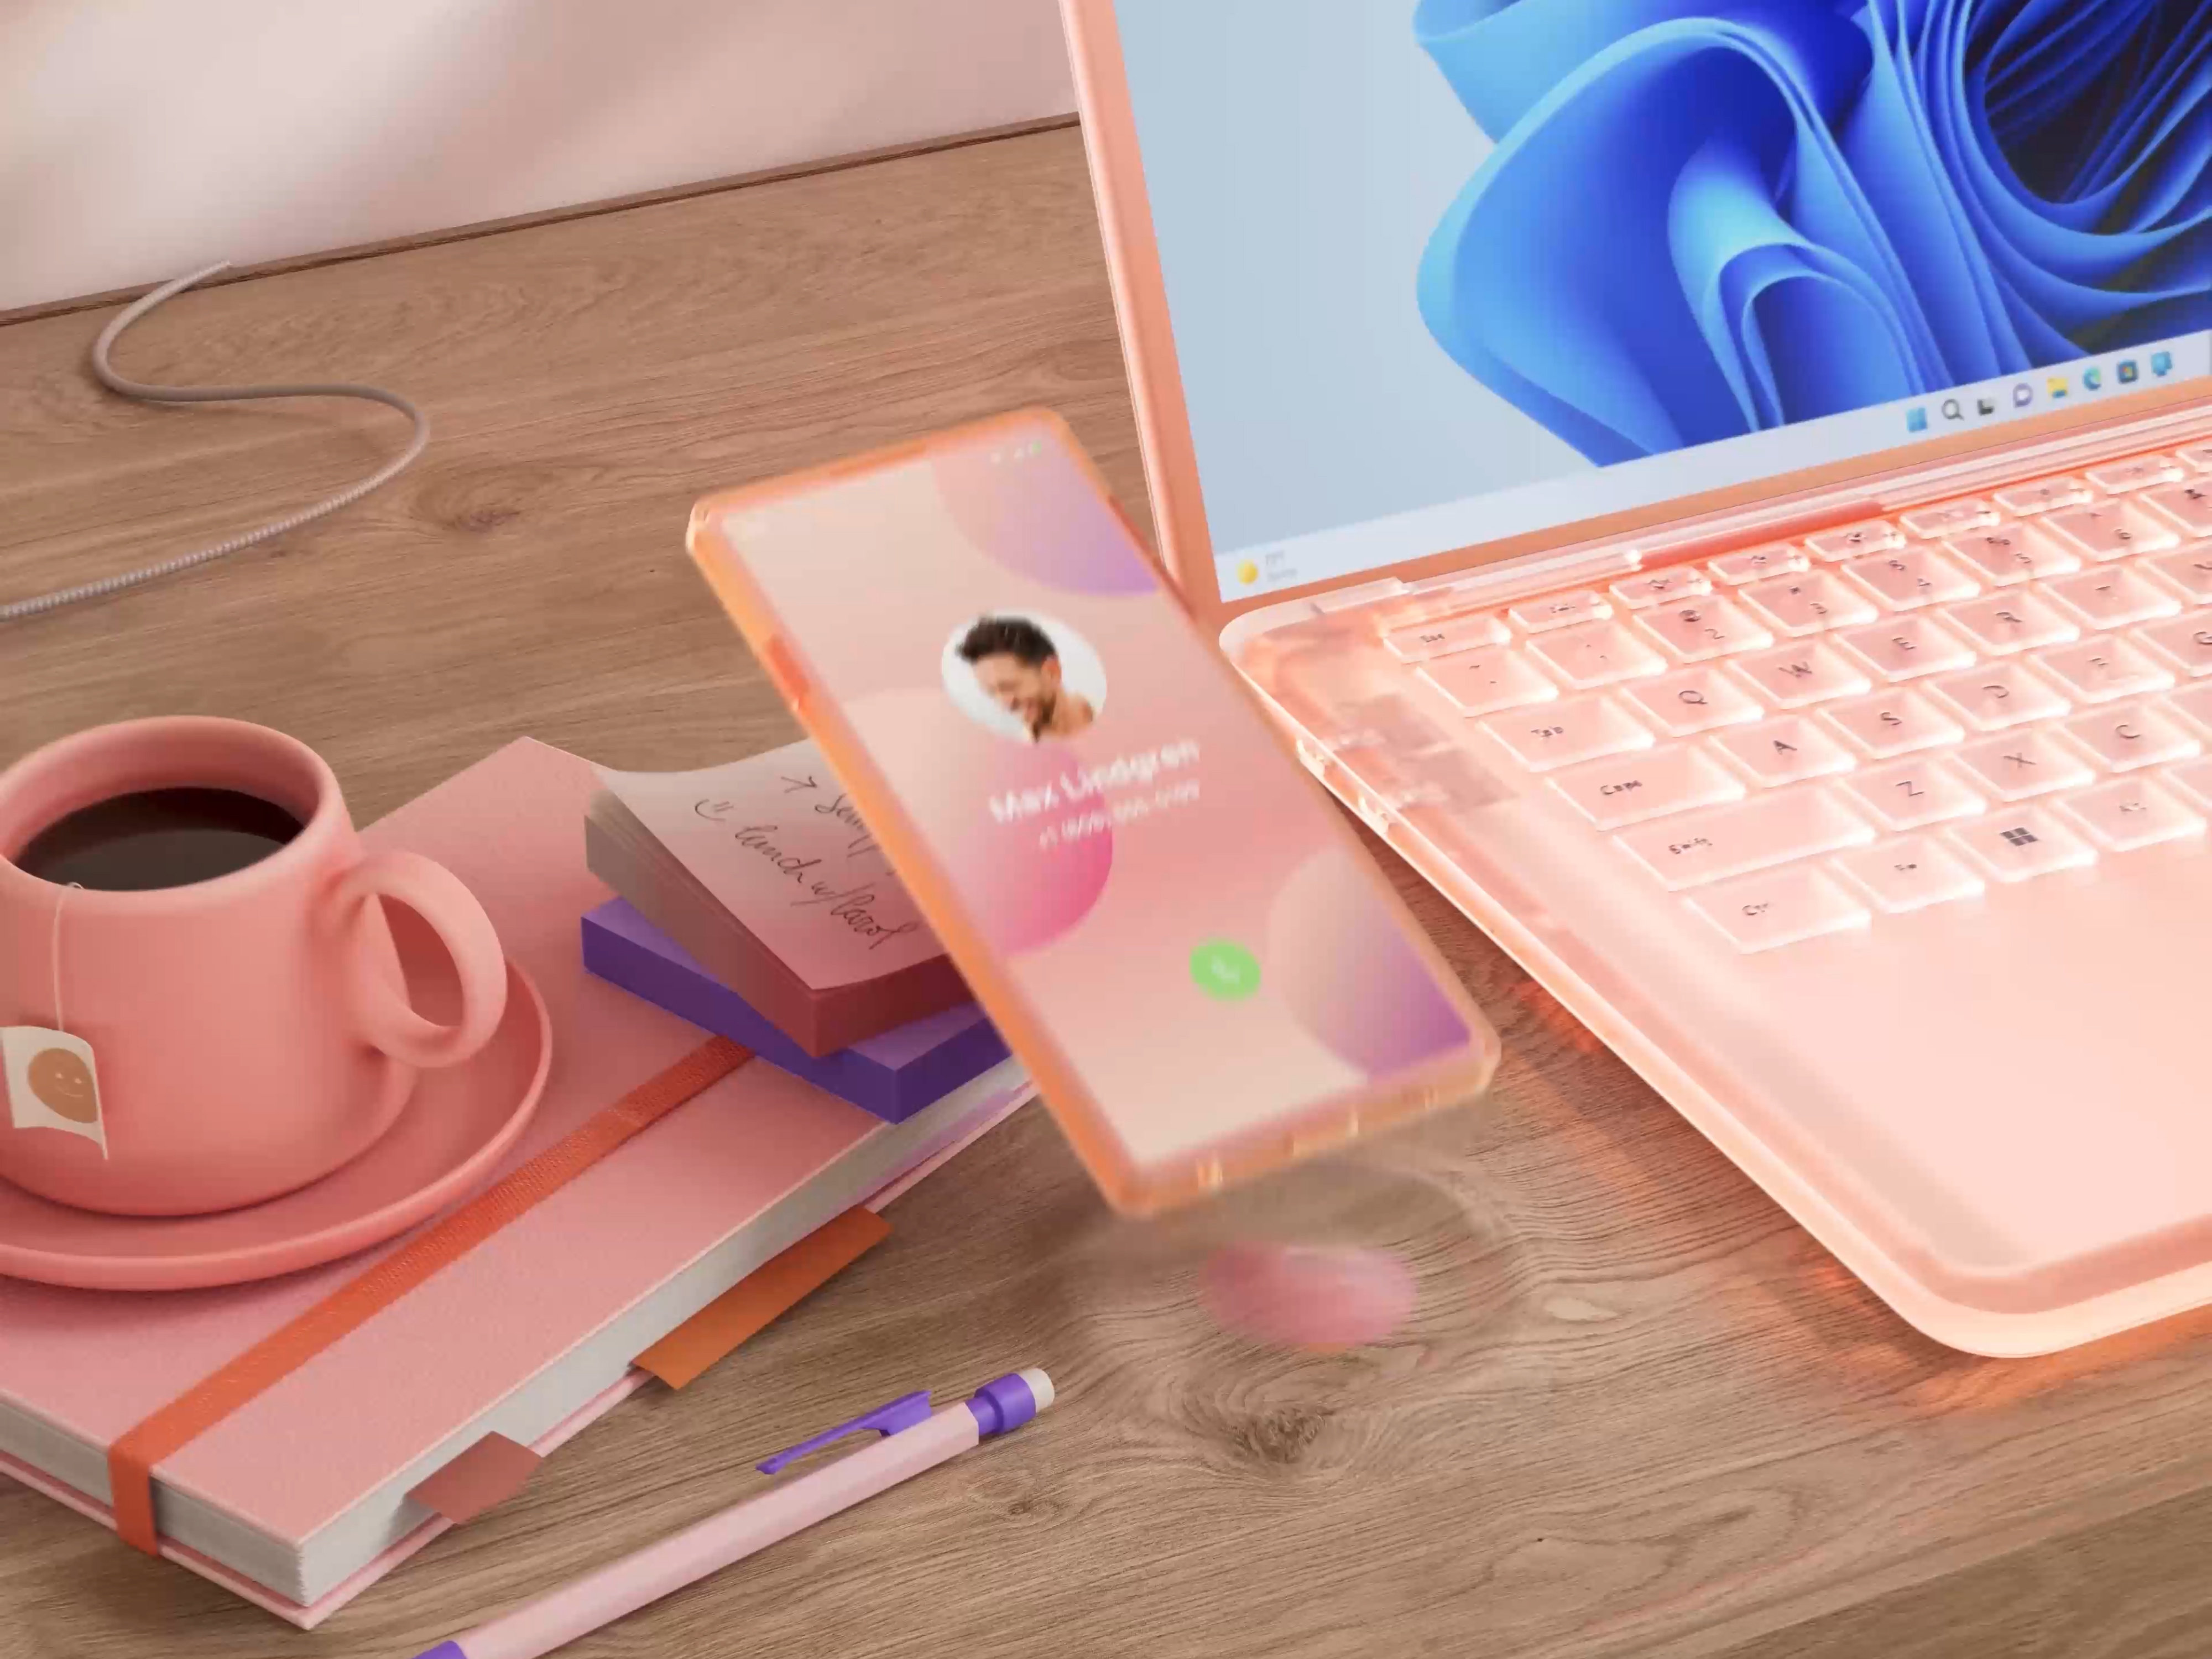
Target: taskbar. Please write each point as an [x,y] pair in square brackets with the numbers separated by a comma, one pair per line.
[1368,548]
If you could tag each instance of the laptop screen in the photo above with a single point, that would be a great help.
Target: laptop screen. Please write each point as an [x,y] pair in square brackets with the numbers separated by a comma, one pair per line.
[1445,272]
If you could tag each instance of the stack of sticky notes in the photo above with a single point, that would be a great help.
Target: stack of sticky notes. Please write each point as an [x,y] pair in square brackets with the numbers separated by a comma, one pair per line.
[756,904]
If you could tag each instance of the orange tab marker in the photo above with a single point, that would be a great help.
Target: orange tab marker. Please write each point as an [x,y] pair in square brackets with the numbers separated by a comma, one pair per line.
[763,1297]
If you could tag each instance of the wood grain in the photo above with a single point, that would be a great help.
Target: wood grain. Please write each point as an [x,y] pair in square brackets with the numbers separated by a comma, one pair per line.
[1637,1411]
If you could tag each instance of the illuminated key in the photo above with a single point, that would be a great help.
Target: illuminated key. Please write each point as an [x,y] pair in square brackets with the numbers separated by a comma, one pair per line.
[1704,629]
[2111,530]
[1596,654]
[2112,596]
[1560,733]
[1657,586]
[1785,750]
[2188,506]
[1483,682]
[1909,874]
[1447,633]
[2198,456]
[1894,723]
[2101,670]
[2194,704]
[1696,699]
[2131,737]
[1909,794]
[1737,568]
[2005,623]
[1853,540]
[1949,519]
[2021,843]
[1913,577]
[1906,648]
[1733,841]
[1632,788]
[2190,572]
[1560,611]
[2186,642]
[2043,495]
[1798,675]
[2131,813]
[1808,604]
[2139,473]
[2023,764]
[1786,907]
[1997,695]
[2014,553]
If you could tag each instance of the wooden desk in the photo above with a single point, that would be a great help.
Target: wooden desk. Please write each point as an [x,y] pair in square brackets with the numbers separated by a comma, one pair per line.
[1638,1410]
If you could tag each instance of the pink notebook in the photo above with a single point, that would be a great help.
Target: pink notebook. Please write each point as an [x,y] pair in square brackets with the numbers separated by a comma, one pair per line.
[298,1501]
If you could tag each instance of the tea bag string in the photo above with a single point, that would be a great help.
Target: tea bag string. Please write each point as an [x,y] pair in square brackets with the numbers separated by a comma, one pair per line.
[55,952]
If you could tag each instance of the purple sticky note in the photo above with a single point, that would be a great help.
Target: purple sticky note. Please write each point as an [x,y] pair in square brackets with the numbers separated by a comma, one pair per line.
[893,1075]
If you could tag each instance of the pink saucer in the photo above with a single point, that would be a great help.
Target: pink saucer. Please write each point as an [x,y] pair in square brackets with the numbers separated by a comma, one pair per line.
[457,1124]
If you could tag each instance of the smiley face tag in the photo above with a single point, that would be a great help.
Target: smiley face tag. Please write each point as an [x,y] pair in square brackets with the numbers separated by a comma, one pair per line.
[50,1082]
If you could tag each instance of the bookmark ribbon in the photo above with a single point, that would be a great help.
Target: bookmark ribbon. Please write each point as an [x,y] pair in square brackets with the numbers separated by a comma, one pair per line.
[133,1459]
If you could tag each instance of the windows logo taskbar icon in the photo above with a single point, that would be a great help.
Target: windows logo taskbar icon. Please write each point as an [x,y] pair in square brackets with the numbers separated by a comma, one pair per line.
[2057,389]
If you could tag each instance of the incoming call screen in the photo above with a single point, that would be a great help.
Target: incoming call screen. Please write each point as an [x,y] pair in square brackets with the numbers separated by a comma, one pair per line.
[1178,905]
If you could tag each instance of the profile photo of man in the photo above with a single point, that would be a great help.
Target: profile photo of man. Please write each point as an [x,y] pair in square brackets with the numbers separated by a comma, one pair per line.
[1020,670]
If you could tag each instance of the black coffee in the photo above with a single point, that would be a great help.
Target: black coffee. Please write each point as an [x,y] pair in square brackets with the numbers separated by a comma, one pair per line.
[158,838]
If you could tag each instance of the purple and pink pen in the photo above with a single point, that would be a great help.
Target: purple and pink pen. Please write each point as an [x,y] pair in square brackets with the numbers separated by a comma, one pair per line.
[915,1439]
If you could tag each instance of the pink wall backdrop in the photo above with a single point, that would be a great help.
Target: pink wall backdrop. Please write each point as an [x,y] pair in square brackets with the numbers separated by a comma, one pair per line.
[140,139]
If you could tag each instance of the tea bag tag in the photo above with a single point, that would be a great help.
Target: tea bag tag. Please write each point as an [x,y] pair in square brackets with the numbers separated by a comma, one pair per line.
[51,1082]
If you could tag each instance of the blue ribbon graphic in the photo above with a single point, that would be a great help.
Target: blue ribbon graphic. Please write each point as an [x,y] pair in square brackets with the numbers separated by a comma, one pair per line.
[1703,218]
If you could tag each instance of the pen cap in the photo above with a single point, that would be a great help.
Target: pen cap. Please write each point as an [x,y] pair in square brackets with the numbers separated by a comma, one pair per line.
[1007,1402]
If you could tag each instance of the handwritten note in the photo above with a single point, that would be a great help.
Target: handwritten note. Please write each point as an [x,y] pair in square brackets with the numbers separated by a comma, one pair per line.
[778,843]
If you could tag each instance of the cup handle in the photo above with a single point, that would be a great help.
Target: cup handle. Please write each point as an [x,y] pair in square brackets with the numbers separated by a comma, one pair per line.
[435,894]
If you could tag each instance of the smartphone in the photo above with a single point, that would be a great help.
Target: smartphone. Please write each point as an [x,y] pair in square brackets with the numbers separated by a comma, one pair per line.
[1172,926]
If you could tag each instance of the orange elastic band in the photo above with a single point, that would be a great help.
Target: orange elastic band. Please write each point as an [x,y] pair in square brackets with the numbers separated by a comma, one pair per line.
[131,1460]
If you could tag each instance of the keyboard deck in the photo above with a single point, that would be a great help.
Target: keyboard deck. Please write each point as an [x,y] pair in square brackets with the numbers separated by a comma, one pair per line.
[1886,716]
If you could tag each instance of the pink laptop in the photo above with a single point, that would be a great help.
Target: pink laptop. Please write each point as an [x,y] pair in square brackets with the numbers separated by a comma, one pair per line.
[1725,487]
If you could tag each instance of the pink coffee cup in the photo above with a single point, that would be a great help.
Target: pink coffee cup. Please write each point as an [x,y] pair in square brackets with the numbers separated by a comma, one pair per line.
[251,1033]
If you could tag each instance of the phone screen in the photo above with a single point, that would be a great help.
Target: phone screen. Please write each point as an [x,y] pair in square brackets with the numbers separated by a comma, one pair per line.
[1168,918]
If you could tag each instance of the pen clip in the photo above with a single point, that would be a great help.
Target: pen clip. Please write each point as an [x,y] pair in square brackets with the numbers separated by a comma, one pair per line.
[901,1414]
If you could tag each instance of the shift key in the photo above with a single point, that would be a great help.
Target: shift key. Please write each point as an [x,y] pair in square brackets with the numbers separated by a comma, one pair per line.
[1652,785]
[1755,834]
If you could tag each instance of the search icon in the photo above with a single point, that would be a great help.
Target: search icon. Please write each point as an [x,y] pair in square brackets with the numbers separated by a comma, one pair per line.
[1952,411]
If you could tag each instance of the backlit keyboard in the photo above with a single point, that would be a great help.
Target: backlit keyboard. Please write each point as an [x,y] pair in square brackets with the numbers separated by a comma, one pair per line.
[1876,719]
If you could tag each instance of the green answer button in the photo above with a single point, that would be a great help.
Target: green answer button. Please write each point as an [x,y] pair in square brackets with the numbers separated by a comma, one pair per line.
[1224,969]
